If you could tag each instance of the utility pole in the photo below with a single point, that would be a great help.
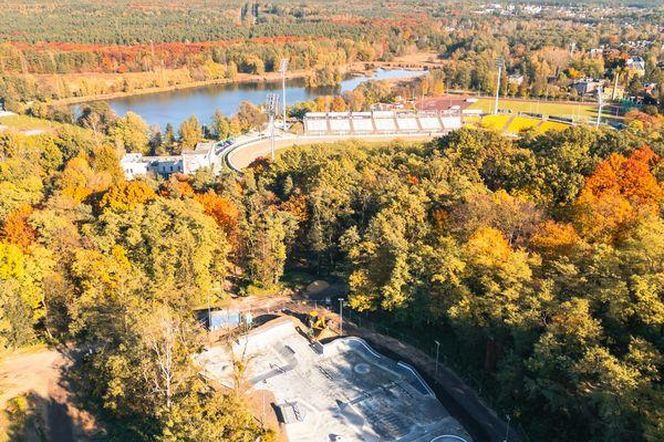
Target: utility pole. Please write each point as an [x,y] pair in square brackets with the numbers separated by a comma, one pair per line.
[500,62]
[283,67]
[272,106]
[437,352]
[600,98]
[341,316]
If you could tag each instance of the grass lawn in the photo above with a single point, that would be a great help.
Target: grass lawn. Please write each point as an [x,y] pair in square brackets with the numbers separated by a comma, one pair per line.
[24,123]
[551,125]
[567,110]
[495,122]
[520,124]
[516,125]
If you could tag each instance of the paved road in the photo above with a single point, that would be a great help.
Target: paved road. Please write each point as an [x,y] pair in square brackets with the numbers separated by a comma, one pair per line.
[244,155]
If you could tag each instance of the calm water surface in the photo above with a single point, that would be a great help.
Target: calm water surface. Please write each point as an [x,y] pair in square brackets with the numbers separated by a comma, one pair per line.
[176,106]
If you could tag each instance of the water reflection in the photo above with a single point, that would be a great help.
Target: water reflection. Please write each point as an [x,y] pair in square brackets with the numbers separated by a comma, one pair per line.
[176,106]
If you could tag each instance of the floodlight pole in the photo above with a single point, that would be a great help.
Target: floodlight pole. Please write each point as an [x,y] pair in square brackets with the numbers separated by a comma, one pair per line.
[437,353]
[271,106]
[600,98]
[341,316]
[272,136]
[282,69]
[500,61]
[507,431]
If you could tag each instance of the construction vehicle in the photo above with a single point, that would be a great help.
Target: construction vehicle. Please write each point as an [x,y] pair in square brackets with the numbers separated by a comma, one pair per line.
[318,322]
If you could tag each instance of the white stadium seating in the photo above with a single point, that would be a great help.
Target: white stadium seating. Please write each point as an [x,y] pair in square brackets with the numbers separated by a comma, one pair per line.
[408,124]
[385,124]
[339,125]
[430,123]
[450,123]
[315,125]
[363,125]
[379,122]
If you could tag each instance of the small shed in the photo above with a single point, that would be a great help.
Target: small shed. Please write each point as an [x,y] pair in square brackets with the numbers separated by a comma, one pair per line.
[219,318]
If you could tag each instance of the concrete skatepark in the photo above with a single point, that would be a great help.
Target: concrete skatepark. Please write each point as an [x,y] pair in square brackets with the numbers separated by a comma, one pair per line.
[342,390]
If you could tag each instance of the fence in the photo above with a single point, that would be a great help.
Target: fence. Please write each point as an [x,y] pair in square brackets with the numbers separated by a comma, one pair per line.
[439,358]
[447,354]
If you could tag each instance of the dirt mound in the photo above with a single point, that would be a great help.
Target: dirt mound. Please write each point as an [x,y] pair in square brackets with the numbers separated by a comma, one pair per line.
[317,287]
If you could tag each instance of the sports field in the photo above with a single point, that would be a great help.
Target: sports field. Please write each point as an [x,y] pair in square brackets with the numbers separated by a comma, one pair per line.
[549,108]
[516,125]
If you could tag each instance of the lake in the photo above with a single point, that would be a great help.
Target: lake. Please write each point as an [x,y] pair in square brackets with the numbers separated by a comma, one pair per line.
[176,106]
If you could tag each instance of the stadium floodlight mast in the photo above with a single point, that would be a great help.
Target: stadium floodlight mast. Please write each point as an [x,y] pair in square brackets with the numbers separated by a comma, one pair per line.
[283,67]
[500,63]
[600,99]
[271,107]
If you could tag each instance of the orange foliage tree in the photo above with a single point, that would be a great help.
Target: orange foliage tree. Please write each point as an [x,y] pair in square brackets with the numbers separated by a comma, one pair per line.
[16,229]
[79,180]
[224,212]
[555,239]
[618,192]
[177,186]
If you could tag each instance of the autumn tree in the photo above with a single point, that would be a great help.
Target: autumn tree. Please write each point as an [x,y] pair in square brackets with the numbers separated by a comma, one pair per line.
[17,230]
[129,133]
[126,196]
[190,132]
[618,191]
[223,210]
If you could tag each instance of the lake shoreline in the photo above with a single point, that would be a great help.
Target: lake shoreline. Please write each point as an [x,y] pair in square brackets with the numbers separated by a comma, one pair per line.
[173,105]
[354,69]
[269,77]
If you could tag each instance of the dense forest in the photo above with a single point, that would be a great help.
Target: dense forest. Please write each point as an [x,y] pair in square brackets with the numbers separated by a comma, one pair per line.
[60,50]
[540,257]
[538,260]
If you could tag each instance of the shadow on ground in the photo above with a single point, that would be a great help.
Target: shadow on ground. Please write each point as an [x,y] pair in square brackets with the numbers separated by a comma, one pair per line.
[36,418]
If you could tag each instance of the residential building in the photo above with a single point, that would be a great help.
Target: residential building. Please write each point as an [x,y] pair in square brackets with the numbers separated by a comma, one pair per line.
[637,65]
[586,86]
[516,79]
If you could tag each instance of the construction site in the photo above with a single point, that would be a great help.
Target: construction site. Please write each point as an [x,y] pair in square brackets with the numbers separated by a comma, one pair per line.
[341,390]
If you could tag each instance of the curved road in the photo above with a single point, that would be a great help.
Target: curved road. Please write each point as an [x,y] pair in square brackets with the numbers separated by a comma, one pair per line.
[240,155]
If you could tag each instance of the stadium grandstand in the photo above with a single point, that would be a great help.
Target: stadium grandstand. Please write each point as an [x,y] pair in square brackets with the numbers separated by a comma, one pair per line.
[380,123]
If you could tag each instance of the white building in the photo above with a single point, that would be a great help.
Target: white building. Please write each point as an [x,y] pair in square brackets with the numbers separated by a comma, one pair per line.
[636,65]
[203,156]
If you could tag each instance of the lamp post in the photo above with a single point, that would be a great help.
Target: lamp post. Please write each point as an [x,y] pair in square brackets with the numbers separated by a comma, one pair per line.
[437,353]
[341,316]
[283,67]
[272,106]
[500,62]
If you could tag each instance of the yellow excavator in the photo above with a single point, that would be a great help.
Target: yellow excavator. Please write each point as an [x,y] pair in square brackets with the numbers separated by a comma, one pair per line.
[318,322]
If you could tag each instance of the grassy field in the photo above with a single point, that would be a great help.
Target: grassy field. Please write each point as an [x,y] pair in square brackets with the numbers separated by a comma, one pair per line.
[495,122]
[516,125]
[24,123]
[567,110]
